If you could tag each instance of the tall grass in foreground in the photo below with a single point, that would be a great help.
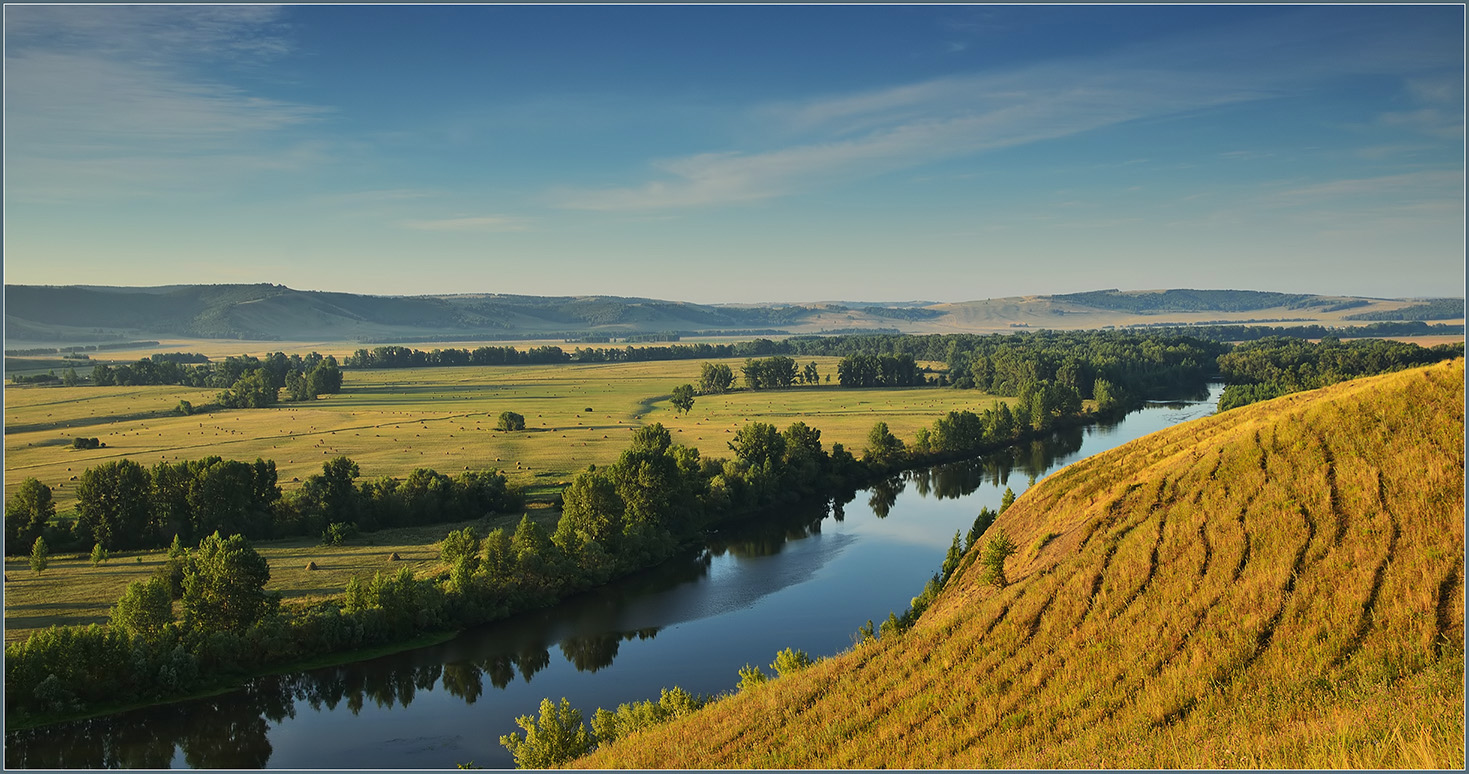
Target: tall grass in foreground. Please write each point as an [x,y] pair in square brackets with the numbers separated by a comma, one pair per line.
[1278,586]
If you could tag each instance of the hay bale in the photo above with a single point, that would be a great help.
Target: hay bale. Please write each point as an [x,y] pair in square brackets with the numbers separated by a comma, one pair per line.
[393,557]
[311,565]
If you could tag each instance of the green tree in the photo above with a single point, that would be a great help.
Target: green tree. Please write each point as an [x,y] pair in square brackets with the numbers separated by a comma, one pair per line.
[715,378]
[325,378]
[27,512]
[592,510]
[99,555]
[996,550]
[759,444]
[40,555]
[459,544]
[144,609]
[558,737]
[331,496]
[510,421]
[683,397]
[790,661]
[252,390]
[113,505]
[297,388]
[1007,499]
[69,377]
[224,588]
[882,445]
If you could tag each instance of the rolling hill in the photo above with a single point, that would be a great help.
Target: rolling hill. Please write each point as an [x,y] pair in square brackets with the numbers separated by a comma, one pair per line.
[44,315]
[1277,586]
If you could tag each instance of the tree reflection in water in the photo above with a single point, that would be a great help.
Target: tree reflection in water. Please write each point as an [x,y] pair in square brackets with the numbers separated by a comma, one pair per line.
[230,731]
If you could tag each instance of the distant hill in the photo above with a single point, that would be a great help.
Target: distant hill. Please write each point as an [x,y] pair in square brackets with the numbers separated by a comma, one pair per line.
[1277,586]
[92,314]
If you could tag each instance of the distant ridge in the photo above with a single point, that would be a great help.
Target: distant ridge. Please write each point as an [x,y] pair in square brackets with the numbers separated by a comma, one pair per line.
[93,314]
[1277,586]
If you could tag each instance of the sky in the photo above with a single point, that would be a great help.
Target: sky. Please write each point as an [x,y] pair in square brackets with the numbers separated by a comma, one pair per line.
[737,154]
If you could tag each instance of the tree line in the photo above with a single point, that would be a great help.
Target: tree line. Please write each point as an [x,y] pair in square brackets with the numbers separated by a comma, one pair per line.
[1269,368]
[122,505]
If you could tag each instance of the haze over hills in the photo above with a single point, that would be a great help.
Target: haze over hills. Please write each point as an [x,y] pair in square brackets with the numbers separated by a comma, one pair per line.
[86,314]
[1280,585]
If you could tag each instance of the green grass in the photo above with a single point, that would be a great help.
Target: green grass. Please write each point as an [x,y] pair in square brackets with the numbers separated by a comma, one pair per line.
[393,421]
[71,592]
[1279,586]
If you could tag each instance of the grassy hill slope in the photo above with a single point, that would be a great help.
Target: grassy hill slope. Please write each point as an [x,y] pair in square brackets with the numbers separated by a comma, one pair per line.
[1278,586]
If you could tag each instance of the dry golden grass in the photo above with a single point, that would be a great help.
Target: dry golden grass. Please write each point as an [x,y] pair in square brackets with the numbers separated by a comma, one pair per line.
[1277,586]
[393,421]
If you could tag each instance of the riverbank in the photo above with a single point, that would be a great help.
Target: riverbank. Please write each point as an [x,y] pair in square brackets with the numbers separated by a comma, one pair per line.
[312,636]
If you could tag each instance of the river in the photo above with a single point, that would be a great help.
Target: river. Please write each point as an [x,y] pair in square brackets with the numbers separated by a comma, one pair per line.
[805,580]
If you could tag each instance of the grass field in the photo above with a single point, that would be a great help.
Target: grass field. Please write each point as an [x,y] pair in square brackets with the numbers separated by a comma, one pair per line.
[72,592]
[1279,586]
[393,421]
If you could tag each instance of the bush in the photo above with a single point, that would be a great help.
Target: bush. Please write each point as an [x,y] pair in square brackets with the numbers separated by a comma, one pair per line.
[99,555]
[510,421]
[185,408]
[560,736]
[790,661]
[751,676]
[338,533]
[996,551]
[86,443]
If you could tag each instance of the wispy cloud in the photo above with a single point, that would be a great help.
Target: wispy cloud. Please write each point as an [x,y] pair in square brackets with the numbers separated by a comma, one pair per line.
[1425,185]
[819,142]
[489,223]
[905,127]
[111,100]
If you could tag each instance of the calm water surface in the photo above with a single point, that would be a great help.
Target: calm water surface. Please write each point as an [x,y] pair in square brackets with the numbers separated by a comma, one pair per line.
[803,580]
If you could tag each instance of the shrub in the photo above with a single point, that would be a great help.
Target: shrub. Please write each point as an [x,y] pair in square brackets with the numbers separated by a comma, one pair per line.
[558,737]
[338,533]
[99,554]
[790,661]
[510,421]
[996,551]
[185,408]
[751,676]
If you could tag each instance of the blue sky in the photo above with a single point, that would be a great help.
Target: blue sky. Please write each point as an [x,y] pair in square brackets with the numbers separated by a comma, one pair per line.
[738,154]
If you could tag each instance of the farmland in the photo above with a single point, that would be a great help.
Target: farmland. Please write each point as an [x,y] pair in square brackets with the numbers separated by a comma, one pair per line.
[393,421]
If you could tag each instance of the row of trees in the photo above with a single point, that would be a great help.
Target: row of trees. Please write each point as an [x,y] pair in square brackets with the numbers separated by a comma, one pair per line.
[776,373]
[122,505]
[176,368]
[879,371]
[405,357]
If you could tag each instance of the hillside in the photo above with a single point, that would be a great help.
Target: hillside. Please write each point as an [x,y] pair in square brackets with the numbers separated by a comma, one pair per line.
[1277,586]
[47,315]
